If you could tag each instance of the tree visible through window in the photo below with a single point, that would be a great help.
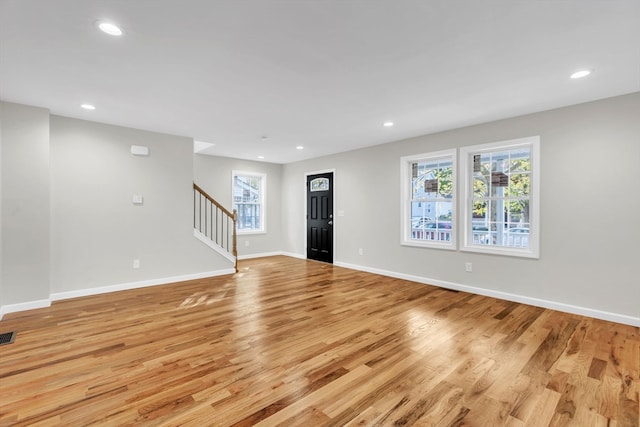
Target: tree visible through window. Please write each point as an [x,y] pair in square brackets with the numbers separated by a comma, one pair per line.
[248,200]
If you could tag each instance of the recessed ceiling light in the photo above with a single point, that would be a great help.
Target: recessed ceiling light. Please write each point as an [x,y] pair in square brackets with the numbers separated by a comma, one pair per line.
[261,157]
[88,106]
[299,147]
[109,28]
[387,124]
[580,74]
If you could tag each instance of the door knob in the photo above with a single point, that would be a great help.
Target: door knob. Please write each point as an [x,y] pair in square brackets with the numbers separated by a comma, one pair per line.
[330,222]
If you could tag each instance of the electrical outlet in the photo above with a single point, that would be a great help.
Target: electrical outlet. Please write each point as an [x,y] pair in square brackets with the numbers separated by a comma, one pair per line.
[360,251]
[136,263]
[468,267]
[246,243]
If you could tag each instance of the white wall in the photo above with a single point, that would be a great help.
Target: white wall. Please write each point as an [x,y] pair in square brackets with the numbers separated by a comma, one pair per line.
[590,153]
[213,174]
[97,231]
[589,156]
[25,204]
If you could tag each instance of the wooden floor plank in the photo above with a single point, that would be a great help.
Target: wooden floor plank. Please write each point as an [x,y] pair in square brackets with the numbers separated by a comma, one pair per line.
[299,343]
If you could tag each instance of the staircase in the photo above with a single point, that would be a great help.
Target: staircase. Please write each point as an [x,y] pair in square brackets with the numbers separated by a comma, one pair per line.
[214,225]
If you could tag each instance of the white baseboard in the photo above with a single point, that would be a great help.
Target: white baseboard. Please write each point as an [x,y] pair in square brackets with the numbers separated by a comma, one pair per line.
[294,255]
[267,254]
[261,255]
[111,288]
[537,302]
[141,284]
[29,305]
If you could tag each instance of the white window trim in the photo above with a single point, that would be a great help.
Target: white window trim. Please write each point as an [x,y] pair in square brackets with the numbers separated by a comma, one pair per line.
[405,202]
[263,201]
[466,164]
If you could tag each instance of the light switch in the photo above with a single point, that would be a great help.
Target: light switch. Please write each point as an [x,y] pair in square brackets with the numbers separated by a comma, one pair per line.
[137,199]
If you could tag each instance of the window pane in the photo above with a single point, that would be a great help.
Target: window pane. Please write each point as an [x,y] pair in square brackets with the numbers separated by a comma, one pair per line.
[520,160]
[445,180]
[430,187]
[432,179]
[486,164]
[422,210]
[248,198]
[519,212]
[499,182]
[494,210]
[516,237]
[444,212]
[417,181]
[480,185]
[479,210]
[519,185]
[248,216]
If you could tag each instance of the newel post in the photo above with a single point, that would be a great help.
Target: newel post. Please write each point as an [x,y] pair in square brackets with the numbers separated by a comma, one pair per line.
[235,243]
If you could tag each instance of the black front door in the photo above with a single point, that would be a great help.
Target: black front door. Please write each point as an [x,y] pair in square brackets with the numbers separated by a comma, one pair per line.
[320,217]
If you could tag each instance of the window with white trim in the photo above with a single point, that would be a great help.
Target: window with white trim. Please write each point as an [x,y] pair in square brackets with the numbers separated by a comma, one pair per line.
[501,207]
[429,202]
[249,191]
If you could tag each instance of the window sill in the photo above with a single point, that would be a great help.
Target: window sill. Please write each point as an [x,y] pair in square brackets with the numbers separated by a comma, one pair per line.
[449,246]
[504,251]
[246,232]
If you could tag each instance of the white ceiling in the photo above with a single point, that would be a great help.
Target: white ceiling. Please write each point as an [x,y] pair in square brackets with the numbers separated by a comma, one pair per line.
[324,74]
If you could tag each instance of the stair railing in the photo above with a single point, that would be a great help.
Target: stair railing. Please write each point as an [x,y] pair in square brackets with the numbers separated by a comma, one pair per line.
[216,224]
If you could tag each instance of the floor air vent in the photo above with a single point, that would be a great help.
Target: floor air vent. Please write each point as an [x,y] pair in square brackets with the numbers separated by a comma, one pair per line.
[7,337]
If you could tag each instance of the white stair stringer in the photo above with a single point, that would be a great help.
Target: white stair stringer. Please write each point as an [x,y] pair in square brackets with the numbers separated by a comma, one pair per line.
[213,245]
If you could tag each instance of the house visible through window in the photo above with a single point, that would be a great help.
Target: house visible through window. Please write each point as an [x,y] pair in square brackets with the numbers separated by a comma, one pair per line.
[501,206]
[249,201]
[428,217]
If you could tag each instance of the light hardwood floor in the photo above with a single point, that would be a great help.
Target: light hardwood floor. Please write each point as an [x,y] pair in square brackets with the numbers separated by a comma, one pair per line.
[298,343]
